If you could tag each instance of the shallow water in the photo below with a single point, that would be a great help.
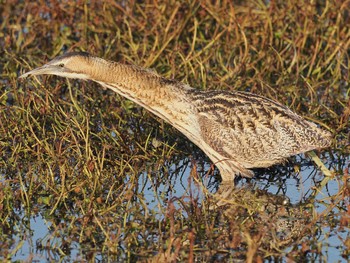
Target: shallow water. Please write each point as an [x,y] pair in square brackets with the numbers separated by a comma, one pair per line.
[37,239]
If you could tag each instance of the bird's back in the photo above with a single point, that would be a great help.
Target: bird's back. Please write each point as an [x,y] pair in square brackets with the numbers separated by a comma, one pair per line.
[252,130]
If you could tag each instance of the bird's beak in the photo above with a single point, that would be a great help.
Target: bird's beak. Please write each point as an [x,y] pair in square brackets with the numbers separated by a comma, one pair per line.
[44,70]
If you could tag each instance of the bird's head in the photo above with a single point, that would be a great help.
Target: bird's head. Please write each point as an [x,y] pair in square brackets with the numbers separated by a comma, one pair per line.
[70,65]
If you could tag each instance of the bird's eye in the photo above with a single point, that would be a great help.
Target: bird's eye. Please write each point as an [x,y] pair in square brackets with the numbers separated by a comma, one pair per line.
[61,65]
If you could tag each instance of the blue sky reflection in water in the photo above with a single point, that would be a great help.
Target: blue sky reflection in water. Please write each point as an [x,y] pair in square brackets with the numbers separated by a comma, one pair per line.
[296,188]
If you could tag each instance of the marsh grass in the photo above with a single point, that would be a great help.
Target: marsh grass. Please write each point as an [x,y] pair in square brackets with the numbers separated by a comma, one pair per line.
[112,182]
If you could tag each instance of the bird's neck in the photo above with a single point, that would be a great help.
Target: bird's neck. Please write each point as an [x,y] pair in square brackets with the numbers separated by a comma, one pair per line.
[169,100]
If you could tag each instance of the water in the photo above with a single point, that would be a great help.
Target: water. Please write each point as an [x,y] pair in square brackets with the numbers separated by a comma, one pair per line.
[38,241]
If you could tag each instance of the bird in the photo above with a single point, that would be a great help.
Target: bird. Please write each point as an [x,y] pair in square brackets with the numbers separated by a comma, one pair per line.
[237,130]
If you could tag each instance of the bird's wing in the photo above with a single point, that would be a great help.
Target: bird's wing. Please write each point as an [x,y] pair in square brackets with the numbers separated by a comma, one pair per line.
[250,129]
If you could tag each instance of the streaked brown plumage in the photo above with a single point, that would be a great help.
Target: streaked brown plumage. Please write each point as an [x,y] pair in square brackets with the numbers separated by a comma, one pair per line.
[237,130]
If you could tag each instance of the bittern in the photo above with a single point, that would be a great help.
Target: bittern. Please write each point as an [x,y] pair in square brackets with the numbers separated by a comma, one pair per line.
[236,130]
